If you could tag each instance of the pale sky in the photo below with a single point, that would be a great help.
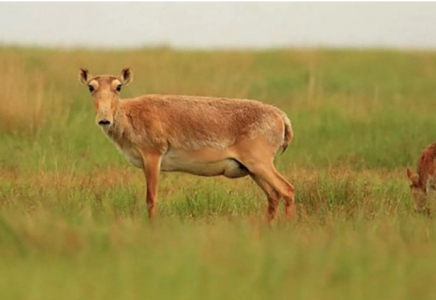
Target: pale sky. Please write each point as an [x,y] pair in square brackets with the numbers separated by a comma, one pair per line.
[219,25]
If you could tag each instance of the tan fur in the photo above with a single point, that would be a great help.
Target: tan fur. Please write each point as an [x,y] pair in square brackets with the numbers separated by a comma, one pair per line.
[422,182]
[94,84]
[198,135]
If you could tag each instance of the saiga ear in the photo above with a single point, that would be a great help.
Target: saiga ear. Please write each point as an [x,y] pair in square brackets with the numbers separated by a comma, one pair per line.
[413,177]
[125,76]
[84,76]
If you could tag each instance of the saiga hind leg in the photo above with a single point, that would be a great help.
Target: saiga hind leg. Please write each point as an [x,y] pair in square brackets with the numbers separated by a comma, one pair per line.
[265,175]
[272,195]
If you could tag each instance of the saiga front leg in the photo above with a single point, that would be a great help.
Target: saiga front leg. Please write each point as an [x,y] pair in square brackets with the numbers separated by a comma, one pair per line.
[151,167]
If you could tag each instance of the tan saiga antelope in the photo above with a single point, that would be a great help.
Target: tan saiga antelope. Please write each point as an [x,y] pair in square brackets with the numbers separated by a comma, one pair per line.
[198,135]
[422,183]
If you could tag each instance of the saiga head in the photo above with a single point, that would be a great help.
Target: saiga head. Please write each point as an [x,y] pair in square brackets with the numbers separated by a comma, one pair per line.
[105,90]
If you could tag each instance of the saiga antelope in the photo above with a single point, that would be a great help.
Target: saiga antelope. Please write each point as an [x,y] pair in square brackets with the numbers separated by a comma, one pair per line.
[422,183]
[199,135]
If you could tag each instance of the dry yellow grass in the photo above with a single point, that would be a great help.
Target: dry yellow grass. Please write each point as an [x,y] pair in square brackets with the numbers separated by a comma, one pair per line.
[21,98]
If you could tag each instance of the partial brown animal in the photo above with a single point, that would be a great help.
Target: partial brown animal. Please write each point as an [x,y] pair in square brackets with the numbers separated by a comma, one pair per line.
[422,182]
[199,135]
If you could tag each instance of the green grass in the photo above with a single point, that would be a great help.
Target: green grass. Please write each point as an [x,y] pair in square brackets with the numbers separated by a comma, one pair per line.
[73,221]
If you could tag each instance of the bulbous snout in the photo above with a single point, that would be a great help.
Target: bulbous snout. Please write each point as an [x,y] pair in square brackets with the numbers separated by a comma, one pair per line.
[105,115]
[104,122]
[105,105]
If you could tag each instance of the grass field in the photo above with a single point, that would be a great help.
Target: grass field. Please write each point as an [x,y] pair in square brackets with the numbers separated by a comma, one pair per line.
[73,221]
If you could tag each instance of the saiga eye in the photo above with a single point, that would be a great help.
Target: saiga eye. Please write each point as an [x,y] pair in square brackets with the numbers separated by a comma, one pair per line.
[91,88]
[119,88]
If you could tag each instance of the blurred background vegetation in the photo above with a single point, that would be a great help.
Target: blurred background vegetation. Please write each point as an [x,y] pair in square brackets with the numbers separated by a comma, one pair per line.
[73,222]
